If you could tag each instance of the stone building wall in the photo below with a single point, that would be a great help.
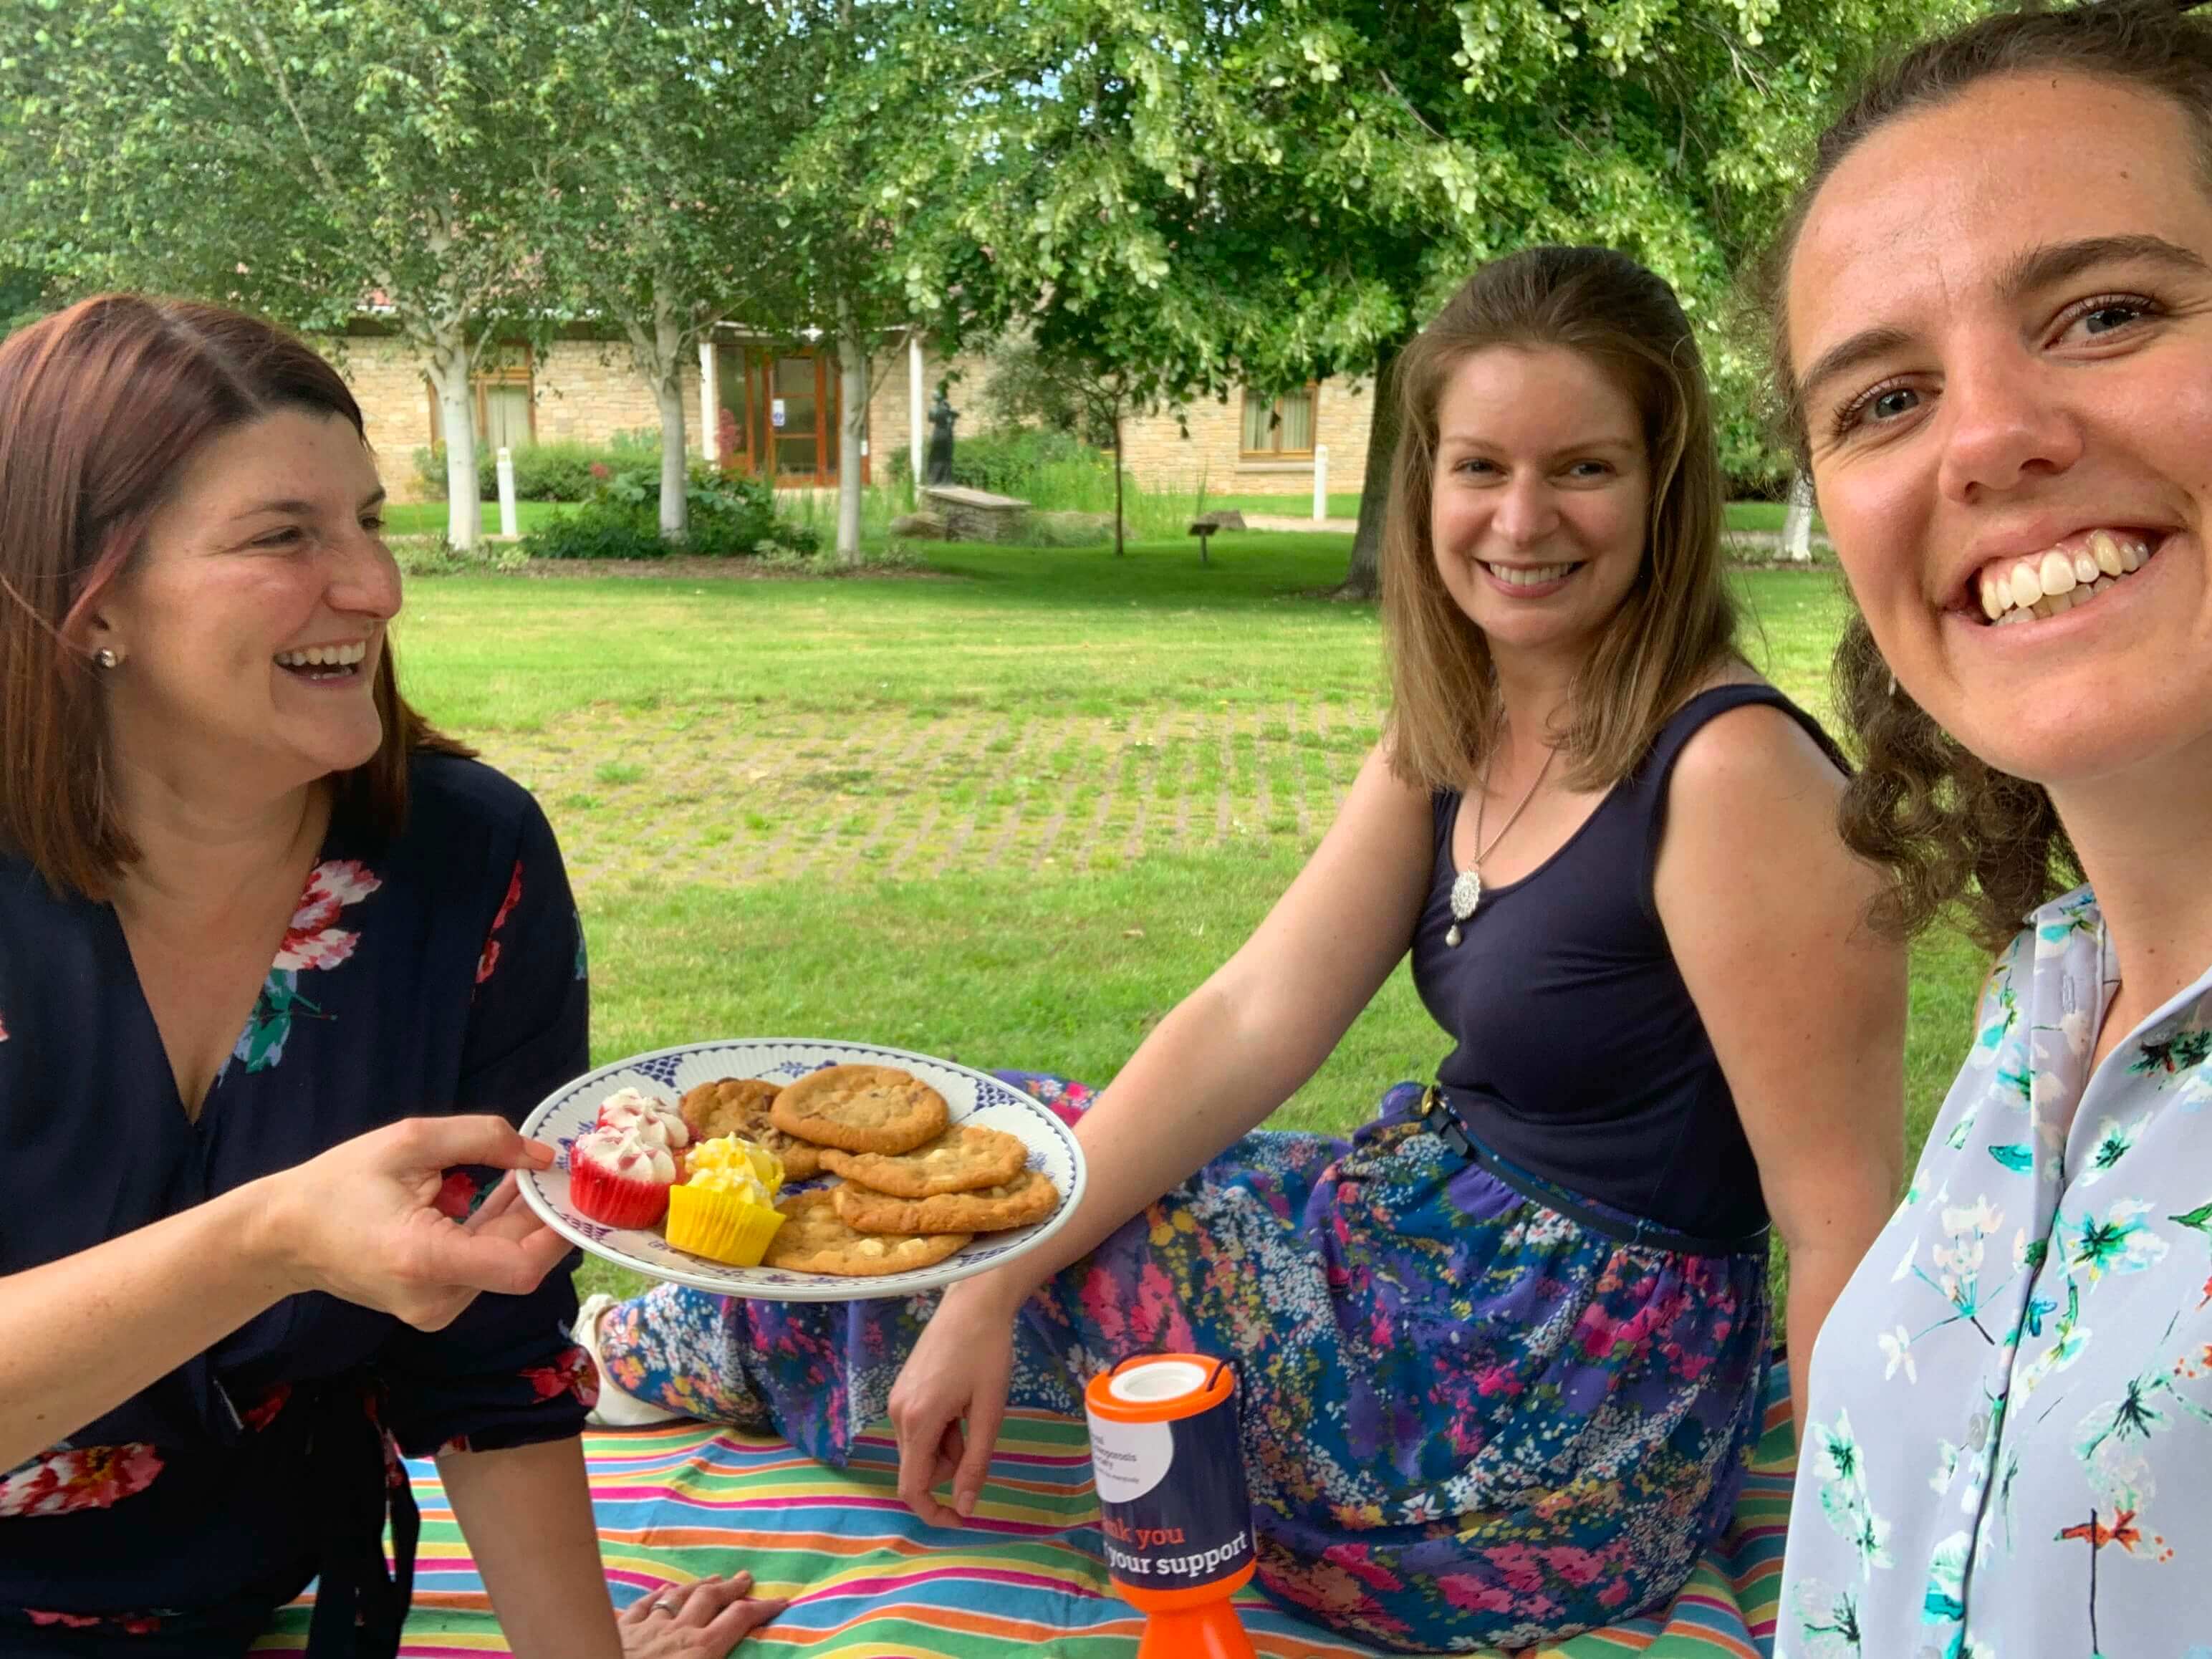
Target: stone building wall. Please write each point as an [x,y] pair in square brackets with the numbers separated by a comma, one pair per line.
[587,392]
[1206,445]
[584,391]
[395,401]
[1154,448]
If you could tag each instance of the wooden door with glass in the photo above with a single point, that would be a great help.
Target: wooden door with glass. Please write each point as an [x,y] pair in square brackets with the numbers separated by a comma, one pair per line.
[779,416]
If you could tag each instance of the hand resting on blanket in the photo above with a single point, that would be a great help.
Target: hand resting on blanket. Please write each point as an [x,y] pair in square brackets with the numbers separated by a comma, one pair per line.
[704,1619]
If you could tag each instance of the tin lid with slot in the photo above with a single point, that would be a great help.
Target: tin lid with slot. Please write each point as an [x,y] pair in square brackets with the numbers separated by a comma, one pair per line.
[1160,1387]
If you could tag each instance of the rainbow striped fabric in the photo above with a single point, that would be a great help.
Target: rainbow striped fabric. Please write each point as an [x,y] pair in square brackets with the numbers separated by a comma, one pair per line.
[1026,1577]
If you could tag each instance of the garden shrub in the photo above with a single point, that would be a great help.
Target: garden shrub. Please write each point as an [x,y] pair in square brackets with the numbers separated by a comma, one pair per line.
[597,531]
[546,472]
[1002,462]
[436,556]
[729,515]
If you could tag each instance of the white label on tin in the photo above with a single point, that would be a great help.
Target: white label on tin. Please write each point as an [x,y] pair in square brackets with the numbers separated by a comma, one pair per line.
[1129,1459]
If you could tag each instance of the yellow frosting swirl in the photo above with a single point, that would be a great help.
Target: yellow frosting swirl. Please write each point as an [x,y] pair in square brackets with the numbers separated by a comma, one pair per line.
[730,1163]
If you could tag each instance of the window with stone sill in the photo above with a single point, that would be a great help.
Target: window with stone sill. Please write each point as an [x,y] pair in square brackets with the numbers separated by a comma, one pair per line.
[1280,428]
[507,400]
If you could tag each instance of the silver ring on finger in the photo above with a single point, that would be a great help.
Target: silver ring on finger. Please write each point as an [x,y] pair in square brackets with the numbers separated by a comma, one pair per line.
[663,1603]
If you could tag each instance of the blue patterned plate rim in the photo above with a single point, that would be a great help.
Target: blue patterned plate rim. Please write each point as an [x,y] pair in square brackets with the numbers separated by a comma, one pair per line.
[1052,1146]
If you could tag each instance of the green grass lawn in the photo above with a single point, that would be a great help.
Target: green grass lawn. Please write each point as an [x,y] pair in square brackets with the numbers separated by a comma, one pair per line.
[1741,515]
[1763,515]
[1009,809]
[1298,504]
[1072,629]
[429,518]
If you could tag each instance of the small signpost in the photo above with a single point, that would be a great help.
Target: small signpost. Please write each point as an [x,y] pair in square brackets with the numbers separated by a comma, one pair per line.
[1206,525]
[507,513]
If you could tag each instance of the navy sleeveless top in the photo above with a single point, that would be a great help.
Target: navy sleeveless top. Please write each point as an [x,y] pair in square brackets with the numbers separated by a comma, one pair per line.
[1581,1057]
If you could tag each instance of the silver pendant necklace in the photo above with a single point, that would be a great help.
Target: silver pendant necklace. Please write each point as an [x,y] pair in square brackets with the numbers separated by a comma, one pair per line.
[1467,887]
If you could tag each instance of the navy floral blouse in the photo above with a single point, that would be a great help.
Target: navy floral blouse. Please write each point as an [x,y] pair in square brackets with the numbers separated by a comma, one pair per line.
[440,972]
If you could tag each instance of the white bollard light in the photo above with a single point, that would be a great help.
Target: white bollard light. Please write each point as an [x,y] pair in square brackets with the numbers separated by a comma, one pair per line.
[507,515]
[1321,483]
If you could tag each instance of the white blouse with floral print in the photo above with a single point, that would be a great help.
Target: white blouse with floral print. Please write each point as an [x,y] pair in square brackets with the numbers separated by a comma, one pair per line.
[2010,1433]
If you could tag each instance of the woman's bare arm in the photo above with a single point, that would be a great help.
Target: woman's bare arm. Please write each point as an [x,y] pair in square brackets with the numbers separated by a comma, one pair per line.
[80,1335]
[1766,912]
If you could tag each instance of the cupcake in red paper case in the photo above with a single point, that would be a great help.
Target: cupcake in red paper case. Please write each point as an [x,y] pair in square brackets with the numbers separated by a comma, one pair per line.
[620,1178]
[656,1122]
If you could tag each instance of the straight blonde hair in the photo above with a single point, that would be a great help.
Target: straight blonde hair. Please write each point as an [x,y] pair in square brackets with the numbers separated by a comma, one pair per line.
[1678,622]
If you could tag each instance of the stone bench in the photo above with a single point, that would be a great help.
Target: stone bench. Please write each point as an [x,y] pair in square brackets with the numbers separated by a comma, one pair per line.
[976,515]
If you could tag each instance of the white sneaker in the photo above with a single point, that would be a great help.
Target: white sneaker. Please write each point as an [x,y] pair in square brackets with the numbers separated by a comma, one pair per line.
[616,1409]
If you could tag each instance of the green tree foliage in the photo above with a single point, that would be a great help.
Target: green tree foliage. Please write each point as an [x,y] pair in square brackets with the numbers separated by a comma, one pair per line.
[1216,193]
[1069,385]
[843,218]
[295,157]
[23,295]
[1181,196]
[674,114]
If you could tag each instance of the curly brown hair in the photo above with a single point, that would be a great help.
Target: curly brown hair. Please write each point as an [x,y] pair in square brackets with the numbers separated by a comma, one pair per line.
[1677,622]
[1959,837]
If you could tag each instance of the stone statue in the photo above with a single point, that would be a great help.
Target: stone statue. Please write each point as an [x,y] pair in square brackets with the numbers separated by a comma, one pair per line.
[936,454]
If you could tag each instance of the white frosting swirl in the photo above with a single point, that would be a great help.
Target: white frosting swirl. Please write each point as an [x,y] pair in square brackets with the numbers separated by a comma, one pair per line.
[627,1154]
[654,1120]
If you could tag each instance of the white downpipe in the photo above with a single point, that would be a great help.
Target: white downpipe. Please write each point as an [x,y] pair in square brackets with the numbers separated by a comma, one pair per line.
[710,405]
[508,526]
[1321,483]
[914,409]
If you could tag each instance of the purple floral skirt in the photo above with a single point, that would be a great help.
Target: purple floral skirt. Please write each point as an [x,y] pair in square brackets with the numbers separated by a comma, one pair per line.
[1475,1414]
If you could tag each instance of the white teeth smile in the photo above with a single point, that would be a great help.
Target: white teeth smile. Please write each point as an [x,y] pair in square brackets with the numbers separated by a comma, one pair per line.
[2046,584]
[324,656]
[1529,575]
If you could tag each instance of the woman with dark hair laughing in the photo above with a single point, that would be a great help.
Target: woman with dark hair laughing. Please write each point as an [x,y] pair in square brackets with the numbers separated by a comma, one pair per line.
[280,967]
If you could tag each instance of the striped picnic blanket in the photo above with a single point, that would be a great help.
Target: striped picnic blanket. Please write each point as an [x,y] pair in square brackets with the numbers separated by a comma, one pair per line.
[1027,1576]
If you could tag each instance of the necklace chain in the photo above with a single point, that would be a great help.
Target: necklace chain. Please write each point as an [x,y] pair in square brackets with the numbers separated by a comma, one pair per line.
[1467,889]
[1482,802]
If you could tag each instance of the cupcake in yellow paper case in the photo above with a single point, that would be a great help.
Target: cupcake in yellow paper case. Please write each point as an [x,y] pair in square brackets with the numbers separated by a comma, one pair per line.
[726,1209]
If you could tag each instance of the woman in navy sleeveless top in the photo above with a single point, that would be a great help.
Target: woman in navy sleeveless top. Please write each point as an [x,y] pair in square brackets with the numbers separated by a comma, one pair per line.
[1502,1355]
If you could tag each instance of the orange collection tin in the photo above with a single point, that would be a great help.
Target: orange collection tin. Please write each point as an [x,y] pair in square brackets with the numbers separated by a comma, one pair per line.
[1172,1505]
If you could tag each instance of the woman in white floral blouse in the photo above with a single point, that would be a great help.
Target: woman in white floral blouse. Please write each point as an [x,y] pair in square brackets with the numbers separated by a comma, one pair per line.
[1993,313]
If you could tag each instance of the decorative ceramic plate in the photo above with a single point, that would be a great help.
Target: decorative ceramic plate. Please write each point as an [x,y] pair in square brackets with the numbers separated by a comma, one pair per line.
[972,1096]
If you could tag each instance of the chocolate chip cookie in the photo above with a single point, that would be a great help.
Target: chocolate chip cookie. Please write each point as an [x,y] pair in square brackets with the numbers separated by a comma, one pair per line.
[861,1108]
[814,1240]
[965,1157]
[739,1106]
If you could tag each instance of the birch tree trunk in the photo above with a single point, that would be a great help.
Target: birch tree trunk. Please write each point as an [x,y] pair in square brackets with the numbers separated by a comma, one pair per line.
[661,362]
[1797,523]
[450,369]
[675,507]
[853,431]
